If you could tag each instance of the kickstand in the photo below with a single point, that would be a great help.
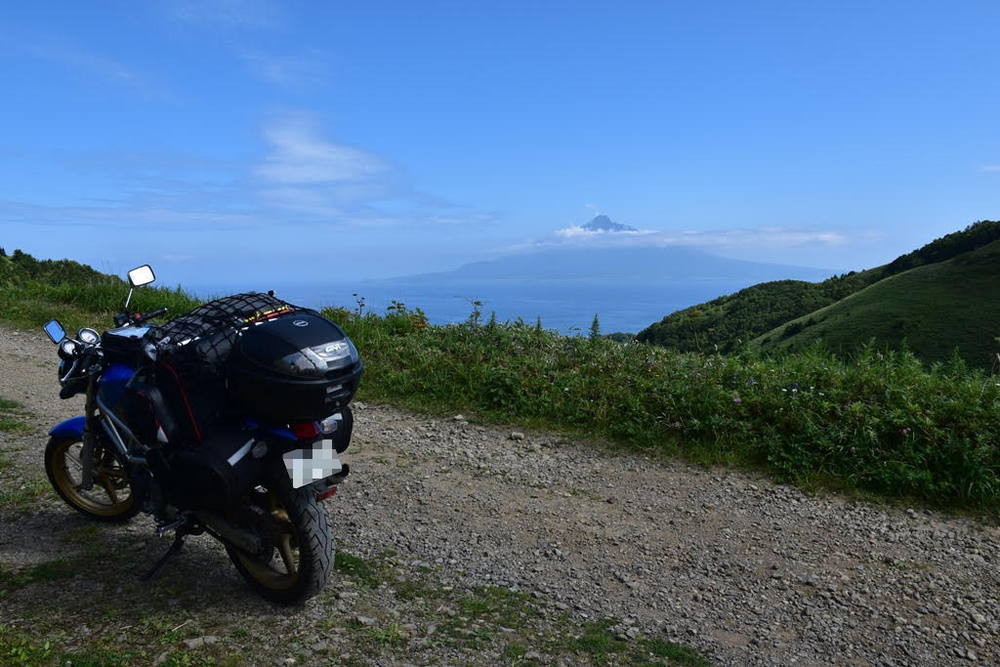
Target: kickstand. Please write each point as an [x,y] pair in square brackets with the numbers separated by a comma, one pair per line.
[172,551]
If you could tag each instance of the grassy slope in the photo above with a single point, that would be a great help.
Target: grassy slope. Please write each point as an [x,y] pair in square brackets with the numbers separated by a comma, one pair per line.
[727,322]
[34,291]
[730,320]
[935,308]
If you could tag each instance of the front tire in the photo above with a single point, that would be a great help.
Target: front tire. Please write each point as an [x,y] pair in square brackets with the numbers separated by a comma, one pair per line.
[297,559]
[112,497]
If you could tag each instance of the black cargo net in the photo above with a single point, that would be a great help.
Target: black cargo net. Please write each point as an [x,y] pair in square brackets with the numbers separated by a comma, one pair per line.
[198,343]
[192,351]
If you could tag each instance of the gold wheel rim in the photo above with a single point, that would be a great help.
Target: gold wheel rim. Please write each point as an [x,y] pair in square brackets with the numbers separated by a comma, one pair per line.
[281,571]
[111,494]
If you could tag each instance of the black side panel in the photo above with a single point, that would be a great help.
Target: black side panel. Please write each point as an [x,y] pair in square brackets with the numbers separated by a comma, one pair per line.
[197,405]
[145,409]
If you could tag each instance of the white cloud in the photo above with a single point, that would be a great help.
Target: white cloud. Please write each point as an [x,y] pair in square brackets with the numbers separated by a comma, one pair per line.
[578,232]
[304,71]
[990,167]
[762,237]
[300,155]
[89,62]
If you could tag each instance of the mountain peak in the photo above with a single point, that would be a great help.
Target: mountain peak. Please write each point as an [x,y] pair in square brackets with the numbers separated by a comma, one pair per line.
[603,223]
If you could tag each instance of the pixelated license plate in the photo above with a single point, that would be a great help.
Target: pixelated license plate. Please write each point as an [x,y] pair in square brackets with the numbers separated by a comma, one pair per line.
[307,465]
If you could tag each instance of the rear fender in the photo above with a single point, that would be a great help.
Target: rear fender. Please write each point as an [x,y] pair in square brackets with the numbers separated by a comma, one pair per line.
[71,428]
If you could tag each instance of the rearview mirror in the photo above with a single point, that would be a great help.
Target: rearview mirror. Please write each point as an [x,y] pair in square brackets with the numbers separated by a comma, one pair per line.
[54,331]
[142,275]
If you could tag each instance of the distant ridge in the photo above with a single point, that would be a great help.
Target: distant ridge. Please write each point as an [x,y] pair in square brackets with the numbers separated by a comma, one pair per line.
[648,265]
[937,298]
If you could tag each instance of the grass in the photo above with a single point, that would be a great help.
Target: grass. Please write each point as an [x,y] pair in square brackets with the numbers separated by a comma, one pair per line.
[52,570]
[603,647]
[11,416]
[359,569]
[22,499]
[936,309]
[20,648]
[35,291]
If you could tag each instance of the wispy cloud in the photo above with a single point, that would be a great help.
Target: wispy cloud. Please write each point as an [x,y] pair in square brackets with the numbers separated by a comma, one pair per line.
[125,216]
[97,65]
[309,70]
[226,13]
[301,155]
[314,177]
[303,178]
[762,237]
[990,167]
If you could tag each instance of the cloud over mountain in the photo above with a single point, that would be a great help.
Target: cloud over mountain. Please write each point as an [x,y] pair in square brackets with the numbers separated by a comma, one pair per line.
[603,232]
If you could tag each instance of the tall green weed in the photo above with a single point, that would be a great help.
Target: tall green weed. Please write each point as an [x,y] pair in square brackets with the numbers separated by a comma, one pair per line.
[878,421]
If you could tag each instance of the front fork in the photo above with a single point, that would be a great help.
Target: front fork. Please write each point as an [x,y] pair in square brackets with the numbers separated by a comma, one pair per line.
[89,436]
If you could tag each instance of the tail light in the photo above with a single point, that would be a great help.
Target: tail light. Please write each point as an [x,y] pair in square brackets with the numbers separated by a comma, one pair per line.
[305,430]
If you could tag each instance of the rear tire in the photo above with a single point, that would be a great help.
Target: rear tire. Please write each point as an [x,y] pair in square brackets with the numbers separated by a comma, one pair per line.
[112,498]
[298,556]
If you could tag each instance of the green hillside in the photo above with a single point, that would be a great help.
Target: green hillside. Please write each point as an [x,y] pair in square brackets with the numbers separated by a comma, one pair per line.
[32,291]
[935,308]
[725,323]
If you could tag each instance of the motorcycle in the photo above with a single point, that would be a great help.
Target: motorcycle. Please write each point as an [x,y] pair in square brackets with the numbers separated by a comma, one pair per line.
[228,420]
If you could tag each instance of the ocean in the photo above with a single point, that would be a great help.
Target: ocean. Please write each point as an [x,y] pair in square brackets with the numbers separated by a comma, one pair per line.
[567,306]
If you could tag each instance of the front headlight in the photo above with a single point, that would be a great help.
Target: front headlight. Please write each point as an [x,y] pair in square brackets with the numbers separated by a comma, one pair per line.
[68,348]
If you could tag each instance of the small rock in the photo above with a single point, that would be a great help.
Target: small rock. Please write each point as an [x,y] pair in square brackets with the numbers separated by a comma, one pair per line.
[459,418]
[198,642]
[365,621]
[358,405]
[517,435]
[532,655]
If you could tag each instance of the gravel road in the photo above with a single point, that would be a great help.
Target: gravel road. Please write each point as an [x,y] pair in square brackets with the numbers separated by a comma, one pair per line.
[744,570]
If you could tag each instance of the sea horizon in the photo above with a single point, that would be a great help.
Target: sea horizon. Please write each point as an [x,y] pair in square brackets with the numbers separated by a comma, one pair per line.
[568,306]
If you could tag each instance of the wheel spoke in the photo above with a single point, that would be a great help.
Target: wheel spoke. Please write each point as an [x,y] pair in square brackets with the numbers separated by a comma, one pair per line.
[103,481]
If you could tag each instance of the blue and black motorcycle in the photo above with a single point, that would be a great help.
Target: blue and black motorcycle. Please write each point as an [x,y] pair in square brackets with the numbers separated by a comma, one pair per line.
[228,420]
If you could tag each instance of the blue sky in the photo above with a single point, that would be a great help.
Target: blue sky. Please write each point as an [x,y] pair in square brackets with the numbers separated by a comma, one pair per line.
[306,141]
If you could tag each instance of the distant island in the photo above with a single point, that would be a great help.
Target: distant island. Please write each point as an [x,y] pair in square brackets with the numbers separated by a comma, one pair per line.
[635,264]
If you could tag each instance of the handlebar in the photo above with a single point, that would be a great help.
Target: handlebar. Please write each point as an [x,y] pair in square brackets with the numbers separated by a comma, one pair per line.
[140,318]
[155,313]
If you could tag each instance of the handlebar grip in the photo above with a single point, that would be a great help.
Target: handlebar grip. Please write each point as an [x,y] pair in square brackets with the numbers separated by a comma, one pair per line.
[155,313]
